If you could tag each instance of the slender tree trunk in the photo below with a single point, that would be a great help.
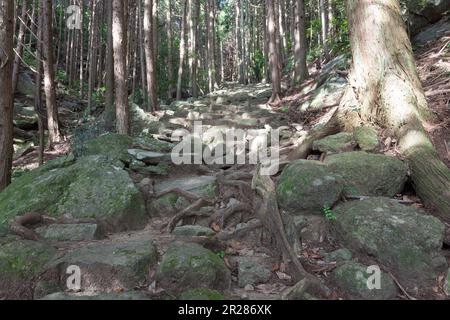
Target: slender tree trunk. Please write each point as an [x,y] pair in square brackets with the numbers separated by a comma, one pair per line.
[19,46]
[81,62]
[323,4]
[49,75]
[300,69]
[92,54]
[38,98]
[239,46]
[142,56]
[110,113]
[388,90]
[170,49]
[149,52]
[6,92]
[273,54]
[120,70]
[182,47]
[209,15]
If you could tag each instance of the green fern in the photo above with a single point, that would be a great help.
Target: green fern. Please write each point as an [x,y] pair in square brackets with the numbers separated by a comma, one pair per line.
[329,213]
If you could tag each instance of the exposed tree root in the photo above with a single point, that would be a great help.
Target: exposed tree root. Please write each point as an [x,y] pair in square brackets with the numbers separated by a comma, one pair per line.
[272,221]
[239,233]
[22,224]
[223,215]
[180,192]
[185,213]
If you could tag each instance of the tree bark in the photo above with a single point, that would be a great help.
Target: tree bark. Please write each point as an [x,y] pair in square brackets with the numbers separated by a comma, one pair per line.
[19,46]
[38,97]
[6,92]
[182,47]
[49,75]
[388,90]
[300,50]
[149,52]
[273,54]
[120,70]
[169,49]
[110,113]
[323,4]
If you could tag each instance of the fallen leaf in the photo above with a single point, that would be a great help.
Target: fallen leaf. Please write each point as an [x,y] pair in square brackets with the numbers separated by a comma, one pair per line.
[283,276]
[215,226]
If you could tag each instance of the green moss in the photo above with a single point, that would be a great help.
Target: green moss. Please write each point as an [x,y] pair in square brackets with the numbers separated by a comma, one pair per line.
[24,259]
[201,294]
[90,188]
[110,145]
[188,266]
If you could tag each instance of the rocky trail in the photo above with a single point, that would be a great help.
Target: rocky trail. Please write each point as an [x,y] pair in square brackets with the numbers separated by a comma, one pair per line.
[140,227]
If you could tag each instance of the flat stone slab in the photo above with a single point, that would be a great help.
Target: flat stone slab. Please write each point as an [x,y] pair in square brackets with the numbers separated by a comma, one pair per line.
[149,157]
[70,232]
[107,267]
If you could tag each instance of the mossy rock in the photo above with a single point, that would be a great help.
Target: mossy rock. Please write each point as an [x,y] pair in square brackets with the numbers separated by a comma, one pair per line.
[21,261]
[71,232]
[340,142]
[131,295]
[90,188]
[251,272]
[109,267]
[190,266]
[338,256]
[110,145]
[203,186]
[202,294]
[308,187]
[143,122]
[353,278]
[152,144]
[25,117]
[367,138]
[366,174]
[404,239]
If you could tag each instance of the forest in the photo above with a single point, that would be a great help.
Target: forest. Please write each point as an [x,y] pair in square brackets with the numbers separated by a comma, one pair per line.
[224,150]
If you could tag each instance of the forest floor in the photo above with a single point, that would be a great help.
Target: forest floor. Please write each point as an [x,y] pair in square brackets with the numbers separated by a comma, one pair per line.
[245,107]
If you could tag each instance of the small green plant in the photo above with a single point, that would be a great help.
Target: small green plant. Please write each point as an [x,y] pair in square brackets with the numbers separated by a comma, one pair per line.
[221,254]
[329,213]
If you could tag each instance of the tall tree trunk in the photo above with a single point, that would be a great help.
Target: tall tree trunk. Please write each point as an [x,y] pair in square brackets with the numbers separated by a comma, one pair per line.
[110,113]
[273,53]
[19,46]
[6,92]
[81,75]
[182,47]
[93,48]
[38,97]
[300,50]
[49,75]
[120,69]
[388,90]
[169,49]
[149,52]
[142,55]
[239,46]
[192,26]
[209,15]
[323,4]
